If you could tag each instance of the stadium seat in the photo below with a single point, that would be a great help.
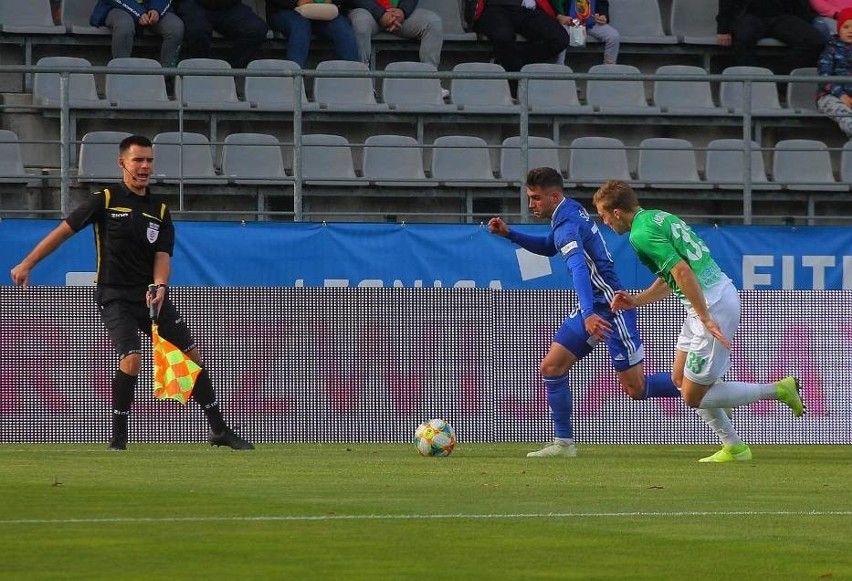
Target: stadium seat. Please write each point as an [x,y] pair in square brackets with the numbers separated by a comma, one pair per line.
[253,158]
[764,95]
[184,156]
[129,91]
[207,92]
[554,96]
[478,95]
[98,159]
[667,163]
[82,93]
[639,22]
[28,17]
[724,165]
[846,163]
[413,94]
[541,152]
[270,93]
[462,160]
[691,98]
[617,96]
[694,21]
[394,160]
[11,160]
[804,164]
[345,93]
[451,18]
[801,97]
[75,14]
[594,160]
[327,160]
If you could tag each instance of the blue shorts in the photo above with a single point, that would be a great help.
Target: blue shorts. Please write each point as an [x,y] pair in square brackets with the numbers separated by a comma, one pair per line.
[624,344]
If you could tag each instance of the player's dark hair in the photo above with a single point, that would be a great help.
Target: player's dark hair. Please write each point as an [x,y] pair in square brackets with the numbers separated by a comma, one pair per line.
[132,140]
[616,195]
[545,178]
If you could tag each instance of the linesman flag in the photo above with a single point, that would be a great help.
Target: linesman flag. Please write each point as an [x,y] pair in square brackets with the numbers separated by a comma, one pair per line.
[174,372]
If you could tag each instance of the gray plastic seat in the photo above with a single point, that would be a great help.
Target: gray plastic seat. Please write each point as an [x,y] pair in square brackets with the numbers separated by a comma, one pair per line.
[82,93]
[764,95]
[463,160]
[253,158]
[801,97]
[12,169]
[724,165]
[553,96]
[804,164]
[481,95]
[184,155]
[450,14]
[594,160]
[129,91]
[28,17]
[208,92]
[75,14]
[667,163]
[413,94]
[327,159]
[694,21]
[98,159]
[394,160]
[685,97]
[846,163]
[617,95]
[345,93]
[274,93]
[639,22]
[541,152]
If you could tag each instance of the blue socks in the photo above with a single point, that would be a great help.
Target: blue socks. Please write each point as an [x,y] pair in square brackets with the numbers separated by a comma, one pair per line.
[561,405]
[660,385]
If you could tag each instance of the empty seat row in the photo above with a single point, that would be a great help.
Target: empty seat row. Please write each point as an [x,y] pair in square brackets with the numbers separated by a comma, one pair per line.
[551,91]
[396,160]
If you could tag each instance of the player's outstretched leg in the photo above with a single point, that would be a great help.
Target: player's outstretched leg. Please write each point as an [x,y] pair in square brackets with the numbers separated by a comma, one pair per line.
[735,453]
[789,393]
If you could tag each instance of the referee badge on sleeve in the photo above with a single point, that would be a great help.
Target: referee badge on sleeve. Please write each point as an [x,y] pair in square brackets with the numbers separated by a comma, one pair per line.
[153,231]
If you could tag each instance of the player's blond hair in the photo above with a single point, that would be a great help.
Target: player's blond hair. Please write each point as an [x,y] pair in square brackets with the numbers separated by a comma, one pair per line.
[616,195]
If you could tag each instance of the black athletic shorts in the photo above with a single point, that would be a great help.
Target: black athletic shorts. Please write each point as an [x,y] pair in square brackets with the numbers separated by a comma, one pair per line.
[124,313]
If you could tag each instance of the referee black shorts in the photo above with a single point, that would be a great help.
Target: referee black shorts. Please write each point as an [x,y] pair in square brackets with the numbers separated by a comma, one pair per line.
[124,313]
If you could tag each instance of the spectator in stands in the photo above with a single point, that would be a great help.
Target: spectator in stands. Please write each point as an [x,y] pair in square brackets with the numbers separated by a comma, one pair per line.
[299,20]
[234,20]
[401,18]
[594,15]
[835,99]
[826,14]
[127,18]
[134,241]
[535,20]
[742,23]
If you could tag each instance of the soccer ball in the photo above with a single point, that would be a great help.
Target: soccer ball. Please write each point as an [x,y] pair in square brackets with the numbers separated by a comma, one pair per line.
[434,438]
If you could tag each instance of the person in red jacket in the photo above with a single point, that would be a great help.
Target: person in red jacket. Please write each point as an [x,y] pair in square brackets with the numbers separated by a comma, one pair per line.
[535,20]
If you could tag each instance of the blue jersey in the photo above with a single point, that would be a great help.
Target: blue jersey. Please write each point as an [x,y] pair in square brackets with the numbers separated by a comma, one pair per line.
[576,237]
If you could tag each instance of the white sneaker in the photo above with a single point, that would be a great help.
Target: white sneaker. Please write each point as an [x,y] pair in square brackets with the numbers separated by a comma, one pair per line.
[445,94]
[556,449]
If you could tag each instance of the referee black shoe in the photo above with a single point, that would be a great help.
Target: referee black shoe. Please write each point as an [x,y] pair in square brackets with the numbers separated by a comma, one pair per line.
[230,439]
[117,443]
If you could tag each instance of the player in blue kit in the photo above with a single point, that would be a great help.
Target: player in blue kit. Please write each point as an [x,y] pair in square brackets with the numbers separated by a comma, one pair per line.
[577,238]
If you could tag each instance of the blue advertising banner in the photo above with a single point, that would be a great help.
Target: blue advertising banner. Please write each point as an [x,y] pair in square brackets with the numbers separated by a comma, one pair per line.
[431,255]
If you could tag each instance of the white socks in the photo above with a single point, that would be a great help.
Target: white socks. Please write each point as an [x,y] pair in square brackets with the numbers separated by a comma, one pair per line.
[731,394]
[720,423]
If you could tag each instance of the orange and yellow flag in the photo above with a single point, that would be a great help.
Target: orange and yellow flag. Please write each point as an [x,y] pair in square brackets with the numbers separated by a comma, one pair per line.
[174,372]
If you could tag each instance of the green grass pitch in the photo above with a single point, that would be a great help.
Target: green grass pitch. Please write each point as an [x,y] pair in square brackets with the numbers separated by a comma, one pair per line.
[379,511]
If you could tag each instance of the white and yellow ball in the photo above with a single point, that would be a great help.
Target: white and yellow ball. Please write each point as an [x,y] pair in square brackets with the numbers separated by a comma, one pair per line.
[435,438]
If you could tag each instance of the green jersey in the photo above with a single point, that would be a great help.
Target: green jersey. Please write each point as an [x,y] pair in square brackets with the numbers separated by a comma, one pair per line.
[661,240]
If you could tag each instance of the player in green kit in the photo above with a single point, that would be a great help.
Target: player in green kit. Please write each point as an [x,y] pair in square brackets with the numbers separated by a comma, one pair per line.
[683,266]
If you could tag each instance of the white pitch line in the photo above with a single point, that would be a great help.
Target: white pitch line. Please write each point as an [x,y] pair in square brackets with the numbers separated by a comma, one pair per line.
[365,517]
